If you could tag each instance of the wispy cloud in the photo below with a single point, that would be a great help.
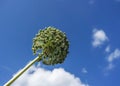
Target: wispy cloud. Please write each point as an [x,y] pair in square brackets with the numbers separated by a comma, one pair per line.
[84,71]
[111,58]
[117,0]
[114,56]
[107,49]
[37,76]
[110,66]
[99,37]
[91,2]
[6,68]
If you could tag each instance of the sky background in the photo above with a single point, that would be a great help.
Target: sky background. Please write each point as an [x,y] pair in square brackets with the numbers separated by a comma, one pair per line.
[92,28]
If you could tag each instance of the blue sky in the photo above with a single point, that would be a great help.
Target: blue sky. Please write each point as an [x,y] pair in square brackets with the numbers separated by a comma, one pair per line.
[92,27]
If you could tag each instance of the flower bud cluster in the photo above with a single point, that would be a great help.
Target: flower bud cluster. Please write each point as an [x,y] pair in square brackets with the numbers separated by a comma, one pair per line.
[53,45]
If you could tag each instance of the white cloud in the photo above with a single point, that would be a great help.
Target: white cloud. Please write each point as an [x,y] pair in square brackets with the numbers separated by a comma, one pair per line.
[107,69]
[84,70]
[107,49]
[99,37]
[111,58]
[37,76]
[114,55]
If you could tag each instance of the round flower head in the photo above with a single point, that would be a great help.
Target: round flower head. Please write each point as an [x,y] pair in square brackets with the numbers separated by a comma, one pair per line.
[52,45]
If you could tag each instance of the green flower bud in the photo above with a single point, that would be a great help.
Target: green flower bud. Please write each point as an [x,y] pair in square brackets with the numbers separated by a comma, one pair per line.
[53,45]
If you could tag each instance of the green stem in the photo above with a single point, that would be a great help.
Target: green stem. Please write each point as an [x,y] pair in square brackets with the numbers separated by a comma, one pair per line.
[23,70]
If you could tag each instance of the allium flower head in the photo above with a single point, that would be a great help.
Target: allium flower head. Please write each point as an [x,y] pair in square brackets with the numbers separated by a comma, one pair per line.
[53,45]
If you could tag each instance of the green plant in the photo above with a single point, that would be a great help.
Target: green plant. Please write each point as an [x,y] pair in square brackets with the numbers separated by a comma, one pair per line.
[51,45]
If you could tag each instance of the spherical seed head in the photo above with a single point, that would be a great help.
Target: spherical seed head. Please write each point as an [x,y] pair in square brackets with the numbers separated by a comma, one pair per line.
[53,45]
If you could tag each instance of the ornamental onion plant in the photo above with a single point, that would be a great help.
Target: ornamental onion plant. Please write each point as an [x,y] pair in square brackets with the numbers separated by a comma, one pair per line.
[51,45]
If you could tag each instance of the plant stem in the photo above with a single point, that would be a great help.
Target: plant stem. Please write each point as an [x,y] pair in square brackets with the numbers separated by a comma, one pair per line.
[23,70]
